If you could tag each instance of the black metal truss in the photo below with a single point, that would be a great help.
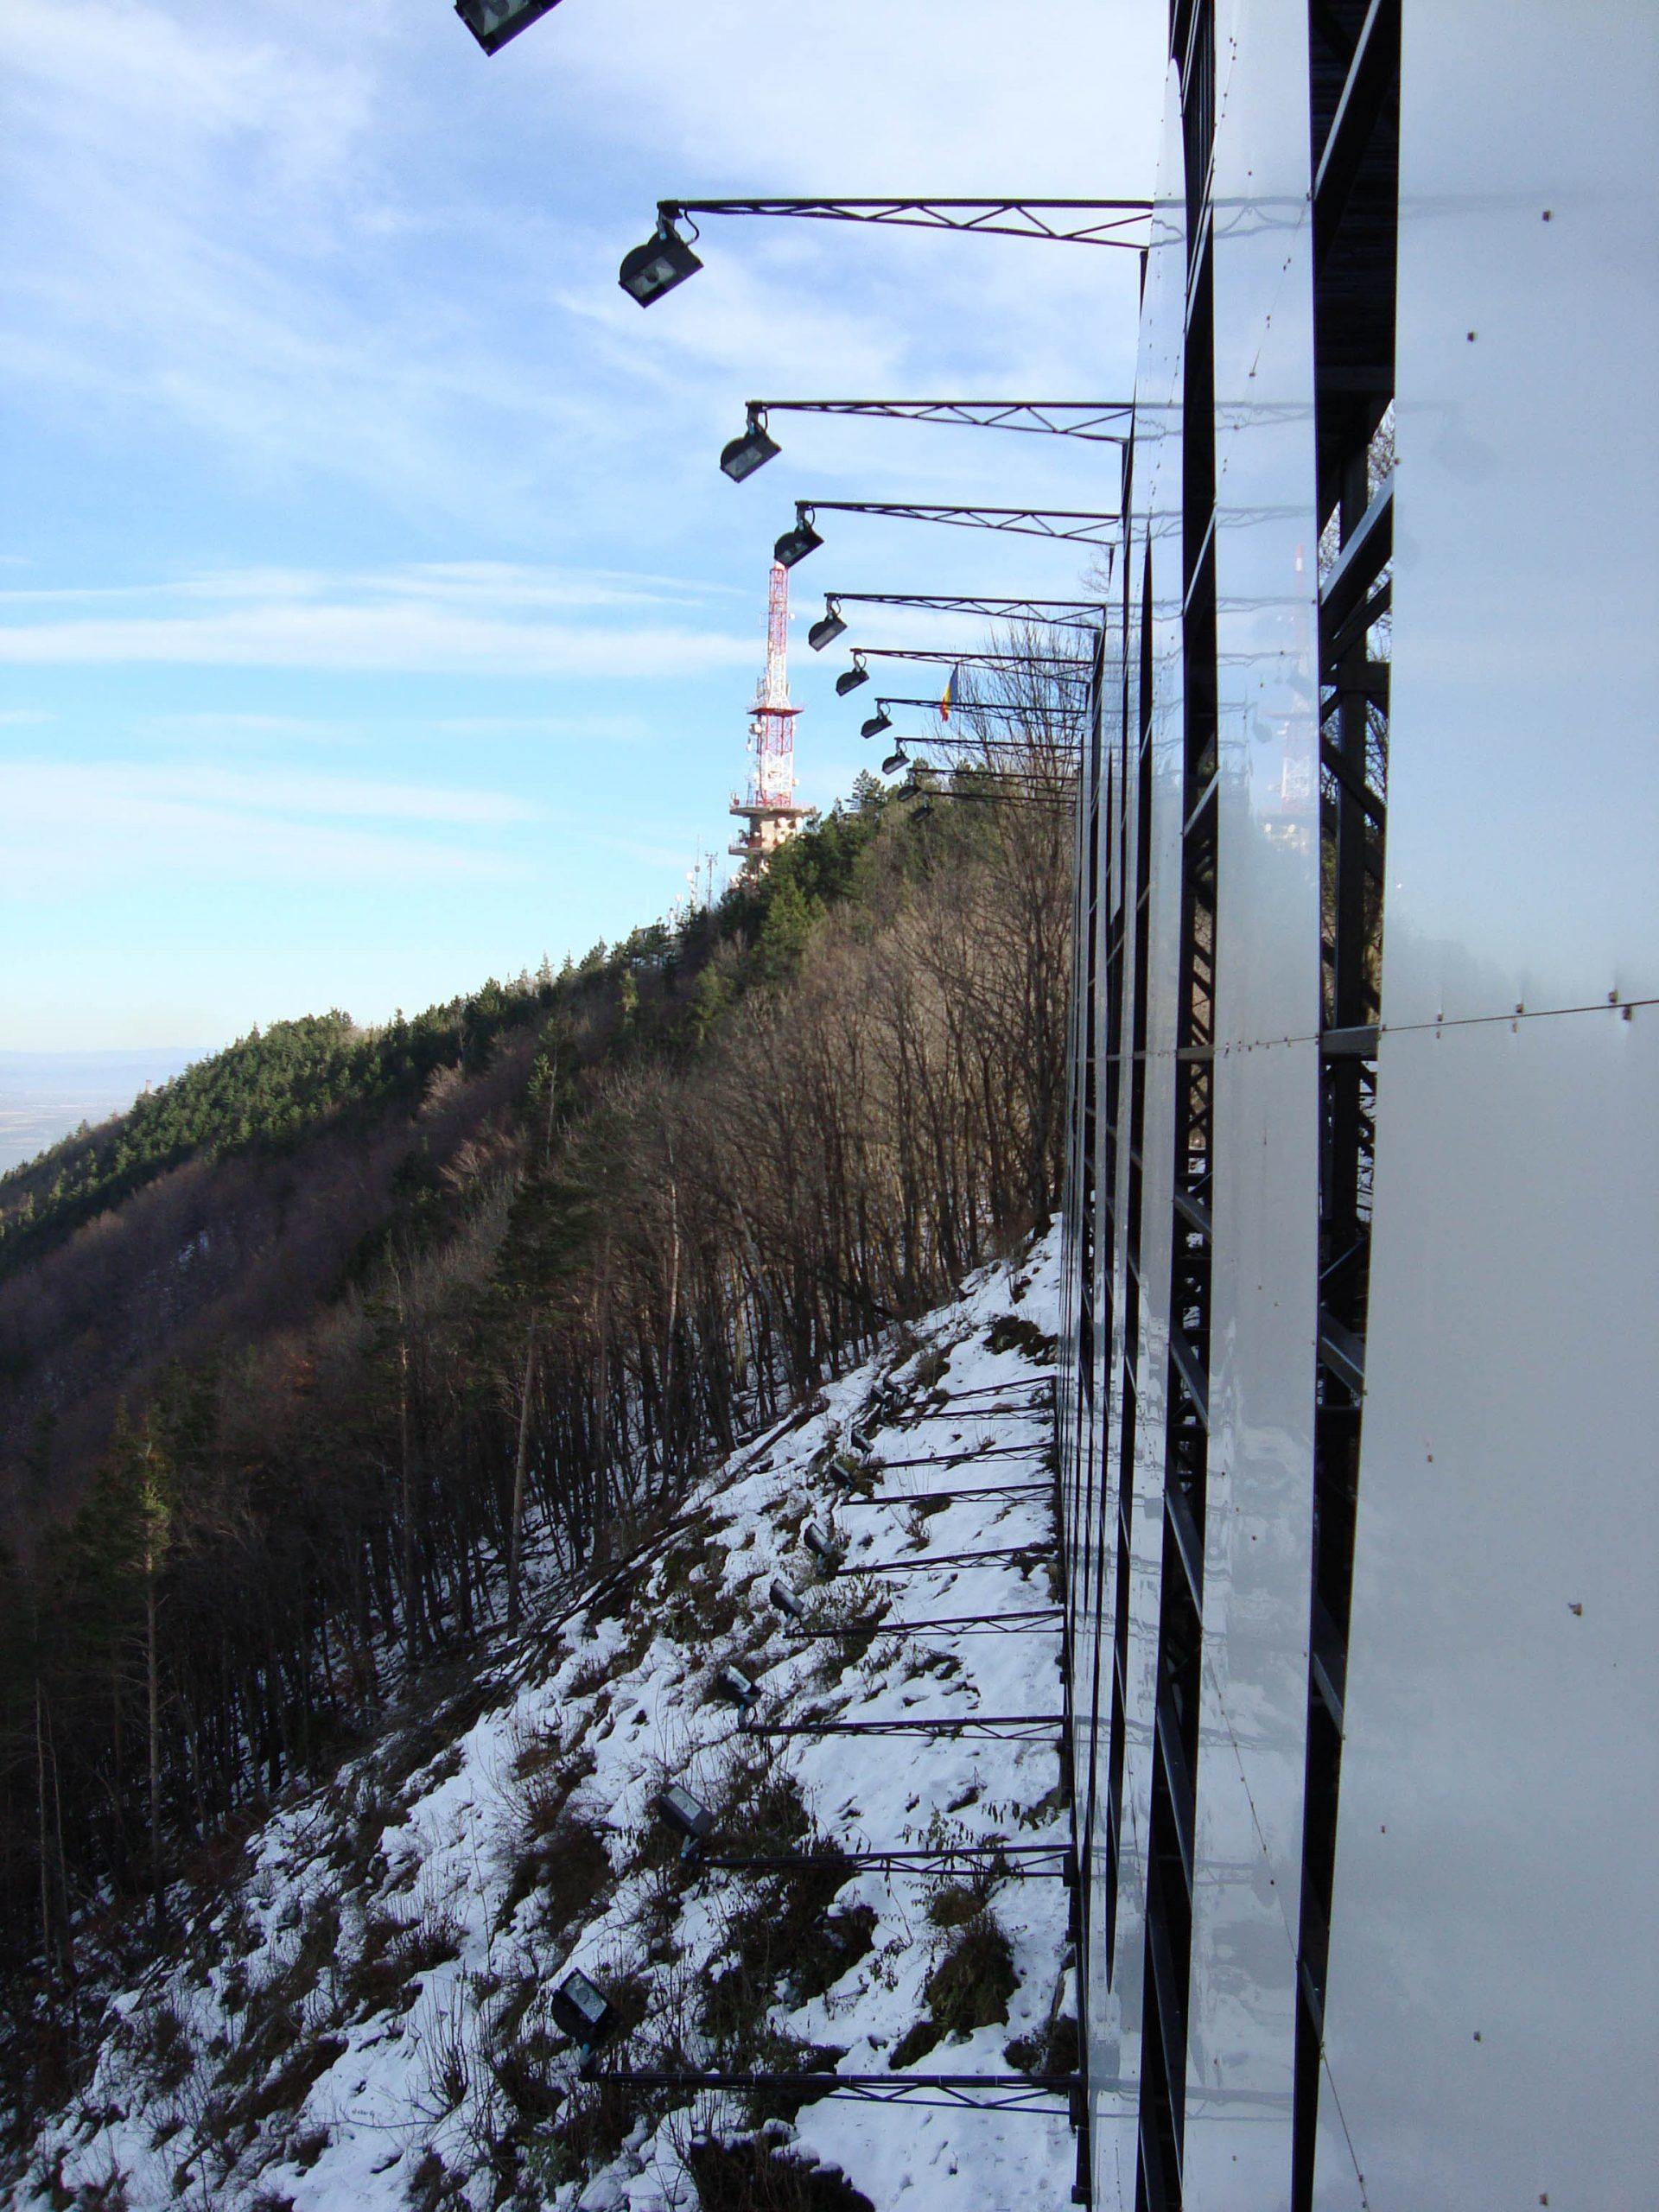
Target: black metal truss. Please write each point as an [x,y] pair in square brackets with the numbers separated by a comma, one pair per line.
[1045,2093]
[979,786]
[963,780]
[1099,422]
[1354,90]
[1069,525]
[954,1624]
[1072,665]
[1120,223]
[948,1497]
[1039,801]
[1037,1413]
[992,750]
[996,1390]
[1015,711]
[1059,614]
[960,1459]
[1055,805]
[1032,1552]
[1172,1840]
[1003,1727]
[1018,1862]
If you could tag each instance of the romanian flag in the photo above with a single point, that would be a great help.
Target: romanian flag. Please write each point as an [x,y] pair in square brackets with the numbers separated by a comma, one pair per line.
[948,694]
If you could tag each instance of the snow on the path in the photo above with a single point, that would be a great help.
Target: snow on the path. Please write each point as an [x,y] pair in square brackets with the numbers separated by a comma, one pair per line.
[349,2103]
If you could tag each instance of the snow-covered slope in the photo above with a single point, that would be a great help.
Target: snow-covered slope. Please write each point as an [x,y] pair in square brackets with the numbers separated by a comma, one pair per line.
[360,2015]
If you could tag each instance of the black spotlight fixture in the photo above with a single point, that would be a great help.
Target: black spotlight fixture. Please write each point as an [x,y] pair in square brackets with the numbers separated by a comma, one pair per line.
[828,1553]
[663,262]
[825,632]
[851,678]
[846,1471]
[492,22]
[895,762]
[879,720]
[688,1817]
[785,1600]
[864,1436]
[582,2010]
[732,1684]
[753,450]
[795,544]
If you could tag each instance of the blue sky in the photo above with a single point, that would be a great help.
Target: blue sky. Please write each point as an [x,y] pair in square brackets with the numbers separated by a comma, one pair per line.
[373,615]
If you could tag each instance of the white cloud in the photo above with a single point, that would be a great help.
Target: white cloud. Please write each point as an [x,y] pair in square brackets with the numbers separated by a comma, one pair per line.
[65,826]
[256,729]
[478,619]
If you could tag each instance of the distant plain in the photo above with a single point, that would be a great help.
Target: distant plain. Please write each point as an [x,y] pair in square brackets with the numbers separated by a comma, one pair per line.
[44,1096]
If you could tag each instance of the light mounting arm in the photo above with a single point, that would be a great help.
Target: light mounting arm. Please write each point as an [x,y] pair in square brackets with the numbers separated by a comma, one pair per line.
[1072,525]
[1120,223]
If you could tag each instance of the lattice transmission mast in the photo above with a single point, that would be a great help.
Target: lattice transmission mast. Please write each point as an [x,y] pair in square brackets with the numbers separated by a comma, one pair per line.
[768,809]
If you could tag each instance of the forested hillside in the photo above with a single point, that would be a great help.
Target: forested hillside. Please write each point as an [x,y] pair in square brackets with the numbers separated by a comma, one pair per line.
[303,1360]
[353,2004]
[226,1203]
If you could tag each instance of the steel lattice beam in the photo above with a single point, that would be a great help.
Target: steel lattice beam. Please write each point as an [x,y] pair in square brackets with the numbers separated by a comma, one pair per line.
[1120,223]
[1020,1861]
[941,1496]
[1100,422]
[1070,662]
[1060,613]
[956,1624]
[1032,1552]
[1047,2094]
[1070,525]
[1007,1728]
[1009,713]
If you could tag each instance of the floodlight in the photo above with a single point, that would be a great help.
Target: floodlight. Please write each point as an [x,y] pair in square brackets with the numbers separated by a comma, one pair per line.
[826,631]
[851,678]
[735,1686]
[829,1555]
[879,720]
[895,762]
[663,261]
[687,1815]
[744,455]
[846,1470]
[785,1600]
[582,2010]
[863,1436]
[795,544]
[492,22]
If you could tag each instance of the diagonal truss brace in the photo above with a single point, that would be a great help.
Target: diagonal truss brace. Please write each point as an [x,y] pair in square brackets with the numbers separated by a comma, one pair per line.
[946,1496]
[1072,525]
[1067,664]
[1120,223]
[1031,1553]
[1047,2094]
[1102,422]
[1060,613]
[970,706]
[954,1624]
[1004,1728]
[1015,1861]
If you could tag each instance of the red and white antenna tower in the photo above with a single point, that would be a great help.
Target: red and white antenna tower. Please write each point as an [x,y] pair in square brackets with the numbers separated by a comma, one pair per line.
[769,807]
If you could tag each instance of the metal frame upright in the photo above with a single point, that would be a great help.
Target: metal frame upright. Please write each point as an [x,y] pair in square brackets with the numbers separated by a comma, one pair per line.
[1171,1873]
[1354,58]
